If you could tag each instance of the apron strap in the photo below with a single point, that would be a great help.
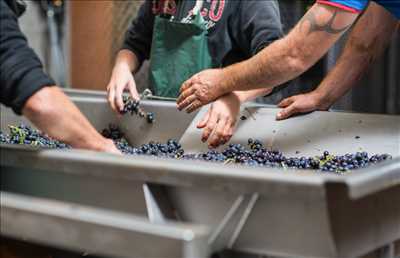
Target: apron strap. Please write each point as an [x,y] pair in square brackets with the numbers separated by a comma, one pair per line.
[196,11]
[197,7]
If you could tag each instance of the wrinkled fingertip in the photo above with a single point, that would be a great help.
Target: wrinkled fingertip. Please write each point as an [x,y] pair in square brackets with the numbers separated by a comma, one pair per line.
[205,136]
[181,105]
[135,98]
[183,87]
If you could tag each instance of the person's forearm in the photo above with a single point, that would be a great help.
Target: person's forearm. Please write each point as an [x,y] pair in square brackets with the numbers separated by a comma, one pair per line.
[53,113]
[127,59]
[368,40]
[250,95]
[289,57]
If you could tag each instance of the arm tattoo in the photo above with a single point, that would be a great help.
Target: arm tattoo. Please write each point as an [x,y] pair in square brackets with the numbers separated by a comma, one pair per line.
[327,27]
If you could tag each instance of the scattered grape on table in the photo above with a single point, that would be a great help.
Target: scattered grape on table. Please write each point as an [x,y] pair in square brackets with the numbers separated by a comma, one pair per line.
[254,154]
[28,136]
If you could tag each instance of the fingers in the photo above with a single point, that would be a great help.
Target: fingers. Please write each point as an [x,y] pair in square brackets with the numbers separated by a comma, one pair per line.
[115,96]
[228,132]
[186,85]
[187,102]
[183,99]
[217,137]
[115,93]
[286,102]
[204,120]
[289,108]
[209,128]
[111,148]
[133,90]
[218,129]
[287,112]
[111,97]
[194,106]
[224,135]
[268,91]
[119,103]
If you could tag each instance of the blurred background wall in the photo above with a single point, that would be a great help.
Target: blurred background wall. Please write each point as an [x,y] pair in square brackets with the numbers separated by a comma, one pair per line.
[37,33]
[97,31]
[92,31]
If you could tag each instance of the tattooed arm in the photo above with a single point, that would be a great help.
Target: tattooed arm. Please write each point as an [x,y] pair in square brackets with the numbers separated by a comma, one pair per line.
[368,40]
[289,57]
[280,62]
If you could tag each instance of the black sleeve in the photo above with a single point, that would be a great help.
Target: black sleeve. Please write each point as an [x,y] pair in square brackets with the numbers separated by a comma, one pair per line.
[139,35]
[21,73]
[259,25]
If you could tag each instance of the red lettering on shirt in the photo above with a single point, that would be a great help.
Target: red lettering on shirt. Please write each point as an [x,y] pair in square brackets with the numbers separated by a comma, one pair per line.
[204,12]
[214,14]
[164,7]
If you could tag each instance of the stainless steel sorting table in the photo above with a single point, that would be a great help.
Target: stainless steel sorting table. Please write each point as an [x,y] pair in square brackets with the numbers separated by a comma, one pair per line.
[252,210]
[93,230]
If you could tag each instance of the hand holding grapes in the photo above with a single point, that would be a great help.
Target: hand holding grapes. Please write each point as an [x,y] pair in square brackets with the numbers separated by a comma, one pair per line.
[121,79]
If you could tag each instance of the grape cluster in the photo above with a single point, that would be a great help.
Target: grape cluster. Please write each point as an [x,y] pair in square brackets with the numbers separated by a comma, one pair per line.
[171,149]
[133,107]
[350,161]
[112,132]
[26,135]
[257,155]
[254,154]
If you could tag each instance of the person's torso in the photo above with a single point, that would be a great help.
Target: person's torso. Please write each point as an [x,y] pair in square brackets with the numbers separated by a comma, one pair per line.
[217,15]
[17,6]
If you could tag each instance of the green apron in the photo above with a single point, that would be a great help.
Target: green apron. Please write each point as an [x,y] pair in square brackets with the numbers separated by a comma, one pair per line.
[179,50]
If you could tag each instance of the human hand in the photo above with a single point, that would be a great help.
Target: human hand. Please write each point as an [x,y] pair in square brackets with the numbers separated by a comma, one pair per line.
[109,147]
[201,89]
[53,113]
[220,120]
[121,80]
[302,103]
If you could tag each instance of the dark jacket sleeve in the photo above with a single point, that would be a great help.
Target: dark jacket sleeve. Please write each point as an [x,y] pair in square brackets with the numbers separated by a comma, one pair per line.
[21,73]
[139,35]
[259,24]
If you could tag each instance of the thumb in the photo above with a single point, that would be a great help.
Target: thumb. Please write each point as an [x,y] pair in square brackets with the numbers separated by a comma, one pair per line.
[286,113]
[286,102]
[133,90]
